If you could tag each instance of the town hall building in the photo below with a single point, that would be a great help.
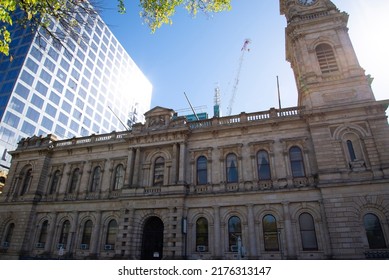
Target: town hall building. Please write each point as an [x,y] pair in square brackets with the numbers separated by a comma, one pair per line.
[308,182]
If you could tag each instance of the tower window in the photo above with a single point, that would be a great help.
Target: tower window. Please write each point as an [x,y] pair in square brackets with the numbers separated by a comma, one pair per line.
[326,57]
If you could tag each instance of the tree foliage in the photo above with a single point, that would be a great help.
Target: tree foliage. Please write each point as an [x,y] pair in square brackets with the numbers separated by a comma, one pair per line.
[36,14]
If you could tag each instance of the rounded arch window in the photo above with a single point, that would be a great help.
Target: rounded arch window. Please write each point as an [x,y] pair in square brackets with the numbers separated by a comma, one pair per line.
[159,170]
[326,58]
[118,177]
[270,233]
[374,233]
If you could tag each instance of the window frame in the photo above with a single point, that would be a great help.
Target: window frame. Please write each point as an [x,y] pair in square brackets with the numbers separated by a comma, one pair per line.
[234,234]
[44,231]
[26,183]
[202,170]
[74,180]
[379,241]
[55,181]
[270,234]
[232,172]
[308,231]
[64,234]
[202,233]
[263,166]
[87,231]
[95,179]
[326,58]
[159,171]
[118,178]
[297,166]
[112,231]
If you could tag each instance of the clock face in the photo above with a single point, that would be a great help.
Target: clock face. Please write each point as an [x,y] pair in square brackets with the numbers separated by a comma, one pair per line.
[307,2]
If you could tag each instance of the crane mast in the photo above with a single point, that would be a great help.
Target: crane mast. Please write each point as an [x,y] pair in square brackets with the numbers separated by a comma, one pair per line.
[236,81]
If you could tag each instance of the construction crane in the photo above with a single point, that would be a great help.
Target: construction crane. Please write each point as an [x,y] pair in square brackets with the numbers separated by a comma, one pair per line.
[243,50]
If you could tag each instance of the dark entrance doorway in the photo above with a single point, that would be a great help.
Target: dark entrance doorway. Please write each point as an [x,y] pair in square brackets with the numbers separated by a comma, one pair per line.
[152,239]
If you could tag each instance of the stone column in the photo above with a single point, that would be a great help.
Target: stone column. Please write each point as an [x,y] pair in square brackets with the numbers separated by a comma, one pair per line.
[210,177]
[51,233]
[324,231]
[175,164]
[217,247]
[288,248]
[135,181]
[181,164]
[129,169]
[252,248]
[84,180]
[96,234]
[73,232]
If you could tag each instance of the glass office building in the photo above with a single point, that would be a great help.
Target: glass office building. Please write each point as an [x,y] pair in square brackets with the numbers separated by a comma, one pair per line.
[76,88]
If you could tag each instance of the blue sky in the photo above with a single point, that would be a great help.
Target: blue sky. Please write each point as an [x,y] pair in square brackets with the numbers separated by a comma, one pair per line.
[194,55]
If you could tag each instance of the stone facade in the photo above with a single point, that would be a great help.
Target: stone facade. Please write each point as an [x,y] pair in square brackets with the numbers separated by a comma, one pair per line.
[309,182]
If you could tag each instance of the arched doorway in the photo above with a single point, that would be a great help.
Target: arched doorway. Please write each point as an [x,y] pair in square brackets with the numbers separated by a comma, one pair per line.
[152,239]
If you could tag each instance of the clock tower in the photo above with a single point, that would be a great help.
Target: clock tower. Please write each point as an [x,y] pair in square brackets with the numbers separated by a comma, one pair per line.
[318,47]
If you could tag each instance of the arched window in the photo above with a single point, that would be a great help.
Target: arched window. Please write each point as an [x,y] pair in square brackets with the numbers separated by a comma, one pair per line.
[111,235]
[201,234]
[202,170]
[54,182]
[351,151]
[308,233]
[8,235]
[119,177]
[63,238]
[74,180]
[234,233]
[374,233]
[326,58]
[270,233]
[159,169]
[26,181]
[94,186]
[232,168]
[296,162]
[86,234]
[263,165]
[43,234]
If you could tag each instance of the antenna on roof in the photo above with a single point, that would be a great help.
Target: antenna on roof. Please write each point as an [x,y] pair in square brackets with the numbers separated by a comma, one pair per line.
[279,96]
[197,118]
[118,119]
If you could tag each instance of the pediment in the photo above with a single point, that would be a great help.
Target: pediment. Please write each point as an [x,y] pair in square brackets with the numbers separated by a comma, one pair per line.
[158,110]
[158,117]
